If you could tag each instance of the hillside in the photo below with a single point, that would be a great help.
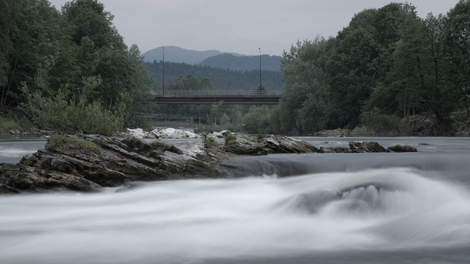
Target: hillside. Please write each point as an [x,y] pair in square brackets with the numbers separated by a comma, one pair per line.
[242,63]
[177,54]
[214,59]
[220,78]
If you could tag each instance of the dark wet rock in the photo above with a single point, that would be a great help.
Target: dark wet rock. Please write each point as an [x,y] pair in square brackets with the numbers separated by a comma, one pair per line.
[244,147]
[279,144]
[334,150]
[365,147]
[268,145]
[113,162]
[401,148]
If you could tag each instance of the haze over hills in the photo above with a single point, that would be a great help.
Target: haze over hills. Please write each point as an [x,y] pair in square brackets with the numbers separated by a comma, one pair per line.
[213,58]
[177,54]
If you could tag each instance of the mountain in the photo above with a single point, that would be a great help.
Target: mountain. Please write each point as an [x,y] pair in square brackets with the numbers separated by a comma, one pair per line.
[223,79]
[244,63]
[214,59]
[177,54]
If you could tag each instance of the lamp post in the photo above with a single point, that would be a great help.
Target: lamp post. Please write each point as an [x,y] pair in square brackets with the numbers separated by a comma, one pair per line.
[163,48]
[259,71]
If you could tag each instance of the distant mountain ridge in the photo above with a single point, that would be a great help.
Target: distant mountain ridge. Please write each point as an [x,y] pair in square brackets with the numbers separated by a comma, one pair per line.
[245,63]
[177,54]
[213,58]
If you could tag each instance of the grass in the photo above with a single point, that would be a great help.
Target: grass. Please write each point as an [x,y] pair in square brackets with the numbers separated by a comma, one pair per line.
[55,141]
[7,124]
[209,142]
[229,138]
[58,141]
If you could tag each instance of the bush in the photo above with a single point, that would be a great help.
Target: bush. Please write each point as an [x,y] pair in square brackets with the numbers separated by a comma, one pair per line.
[76,115]
[7,124]
[259,137]
[229,138]
[59,141]
[55,141]
[209,142]
[381,123]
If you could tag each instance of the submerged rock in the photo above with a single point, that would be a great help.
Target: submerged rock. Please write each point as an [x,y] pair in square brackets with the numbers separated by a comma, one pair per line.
[366,147]
[401,148]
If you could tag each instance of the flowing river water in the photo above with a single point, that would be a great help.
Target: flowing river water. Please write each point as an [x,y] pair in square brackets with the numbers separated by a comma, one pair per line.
[309,208]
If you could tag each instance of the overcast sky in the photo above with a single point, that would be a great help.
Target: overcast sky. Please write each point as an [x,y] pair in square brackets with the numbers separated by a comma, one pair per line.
[240,26]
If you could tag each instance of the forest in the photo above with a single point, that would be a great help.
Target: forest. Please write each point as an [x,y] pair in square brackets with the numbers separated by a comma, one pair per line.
[222,79]
[389,72]
[68,70]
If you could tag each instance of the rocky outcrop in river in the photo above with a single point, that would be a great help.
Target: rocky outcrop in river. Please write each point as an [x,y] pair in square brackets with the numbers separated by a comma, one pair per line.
[87,163]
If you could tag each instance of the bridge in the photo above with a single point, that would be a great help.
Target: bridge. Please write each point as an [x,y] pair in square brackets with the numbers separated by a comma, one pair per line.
[214,96]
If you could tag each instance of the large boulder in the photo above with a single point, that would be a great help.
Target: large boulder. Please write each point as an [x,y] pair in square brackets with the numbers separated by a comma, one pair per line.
[366,147]
[401,148]
[267,145]
[173,133]
[245,147]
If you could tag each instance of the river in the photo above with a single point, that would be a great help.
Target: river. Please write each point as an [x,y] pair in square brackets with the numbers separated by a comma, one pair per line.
[309,208]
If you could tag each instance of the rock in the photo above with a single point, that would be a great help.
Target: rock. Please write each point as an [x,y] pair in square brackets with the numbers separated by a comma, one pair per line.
[138,132]
[269,144]
[173,133]
[226,133]
[113,161]
[334,150]
[245,147]
[365,147]
[280,144]
[355,147]
[110,162]
[401,148]
[216,135]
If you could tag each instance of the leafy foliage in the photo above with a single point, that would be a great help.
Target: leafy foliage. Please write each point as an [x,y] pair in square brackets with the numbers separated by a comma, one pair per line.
[72,64]
[69,113]
[386,70]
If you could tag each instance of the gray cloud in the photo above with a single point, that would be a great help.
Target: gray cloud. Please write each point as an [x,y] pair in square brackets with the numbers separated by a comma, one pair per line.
[240,26]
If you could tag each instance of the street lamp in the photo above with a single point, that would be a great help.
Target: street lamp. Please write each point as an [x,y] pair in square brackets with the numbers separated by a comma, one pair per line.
[163,48]
[259,71]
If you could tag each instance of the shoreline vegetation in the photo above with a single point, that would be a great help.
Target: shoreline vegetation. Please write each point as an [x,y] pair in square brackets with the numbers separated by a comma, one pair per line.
[408,76]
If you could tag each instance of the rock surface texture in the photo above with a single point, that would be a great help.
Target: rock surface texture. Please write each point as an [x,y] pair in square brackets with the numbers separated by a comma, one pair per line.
[113,162]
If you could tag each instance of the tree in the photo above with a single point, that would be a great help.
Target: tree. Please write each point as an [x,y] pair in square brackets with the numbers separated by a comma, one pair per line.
[38,34]
[352,67]
[304,102]
[101,50]
[457,40]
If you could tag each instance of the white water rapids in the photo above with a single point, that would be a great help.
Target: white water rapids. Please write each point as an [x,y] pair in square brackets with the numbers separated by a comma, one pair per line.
[329,216]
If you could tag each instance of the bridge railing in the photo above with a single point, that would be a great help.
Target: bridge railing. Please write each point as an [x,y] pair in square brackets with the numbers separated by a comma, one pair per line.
[217,92]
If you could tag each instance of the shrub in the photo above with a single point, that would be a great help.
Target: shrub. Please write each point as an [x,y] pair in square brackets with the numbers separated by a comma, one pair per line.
[59,141]
[229,138]
[209,142]
[75,115]
[259,137]
[55,141]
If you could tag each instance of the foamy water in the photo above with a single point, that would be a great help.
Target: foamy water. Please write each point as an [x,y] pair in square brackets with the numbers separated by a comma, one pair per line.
[363,211]
[195,220]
